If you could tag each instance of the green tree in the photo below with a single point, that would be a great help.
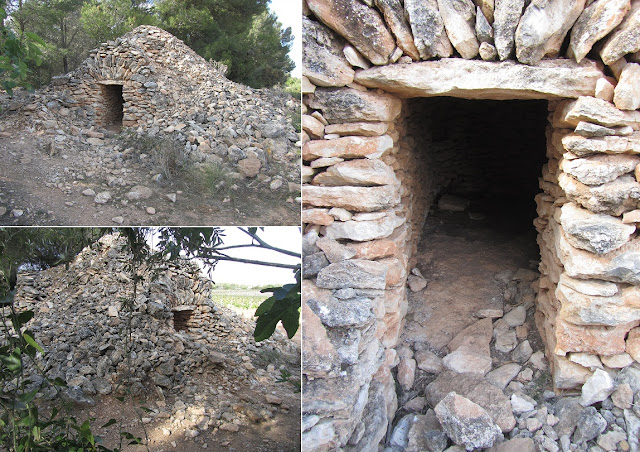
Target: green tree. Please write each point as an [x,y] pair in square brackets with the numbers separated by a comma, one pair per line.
[103,20]
[242,34]
[17,50]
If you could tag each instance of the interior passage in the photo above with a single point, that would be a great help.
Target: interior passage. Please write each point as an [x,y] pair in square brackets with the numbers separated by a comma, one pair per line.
[113,105]
[489,154]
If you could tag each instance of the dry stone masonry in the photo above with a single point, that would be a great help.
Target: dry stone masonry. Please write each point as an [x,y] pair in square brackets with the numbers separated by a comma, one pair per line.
[80,323]
[369,182]
[151,82]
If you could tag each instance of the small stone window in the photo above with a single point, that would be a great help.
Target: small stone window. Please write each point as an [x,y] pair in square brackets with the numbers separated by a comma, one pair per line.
[113,104]
[182,317]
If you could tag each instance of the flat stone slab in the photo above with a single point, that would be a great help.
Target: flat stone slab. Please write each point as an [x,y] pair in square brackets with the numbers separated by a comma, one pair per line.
[474,79]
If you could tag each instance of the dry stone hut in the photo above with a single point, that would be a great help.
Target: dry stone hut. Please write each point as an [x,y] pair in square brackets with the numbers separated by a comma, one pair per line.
[407,103]
[150,81]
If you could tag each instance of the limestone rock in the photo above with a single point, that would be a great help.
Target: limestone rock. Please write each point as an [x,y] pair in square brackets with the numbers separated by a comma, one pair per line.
[520,404]
[249,167]
[363,172]
[366,129]
[406,373]
[139,192]
[595,233]
[613,198]
[347,147]
[625,38]
[102,198]
[515,445]
[590,109]
[516,316]
[322,58]
[484,31]
[473,79]
[476,389]
[633,344]
[334,313]
[312,126]
[507,14]
[626,95]
[586,129]
[335,252]
[467,423]
[429,34]
[597,388]
[543,28]
[465,359]
[581,146]
[355,273]
[594,23]
[604,89]
[477,336]
[350,19]
[617,361]
[362,231]
[590,425]
[416,283]
[503,375]
[350,105]
[393,12]
[359,199]
[459,21]
[487,52]
[318,354]
[428,361]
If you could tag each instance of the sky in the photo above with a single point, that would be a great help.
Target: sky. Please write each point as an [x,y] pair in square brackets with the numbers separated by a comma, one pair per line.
[289,14]
[286,237]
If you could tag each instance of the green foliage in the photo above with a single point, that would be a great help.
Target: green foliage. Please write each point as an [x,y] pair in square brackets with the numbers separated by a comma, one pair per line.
[238,300]
[211,178]
[16,52]
[283,306]
[103,20]
[294,87]
[242,34]
[167,155]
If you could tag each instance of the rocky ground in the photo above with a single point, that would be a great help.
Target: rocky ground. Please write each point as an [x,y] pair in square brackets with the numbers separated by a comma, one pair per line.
[60,170]
[472,372]
[211,387]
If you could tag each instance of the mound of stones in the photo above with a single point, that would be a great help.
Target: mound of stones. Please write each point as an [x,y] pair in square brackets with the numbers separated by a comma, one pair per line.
[82,327]
[490,389]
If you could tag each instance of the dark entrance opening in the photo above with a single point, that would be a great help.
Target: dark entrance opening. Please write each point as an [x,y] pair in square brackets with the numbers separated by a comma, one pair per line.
[113,105]
[481,160]
[182,317]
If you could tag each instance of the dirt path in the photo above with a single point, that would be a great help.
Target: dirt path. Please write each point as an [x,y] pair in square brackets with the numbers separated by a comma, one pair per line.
[39,189]
[459,258]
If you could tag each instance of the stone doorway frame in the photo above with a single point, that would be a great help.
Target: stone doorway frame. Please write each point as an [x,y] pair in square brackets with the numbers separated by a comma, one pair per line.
[111,112]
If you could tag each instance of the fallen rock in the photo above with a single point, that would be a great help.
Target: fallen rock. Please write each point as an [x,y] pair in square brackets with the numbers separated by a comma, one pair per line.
[466,423]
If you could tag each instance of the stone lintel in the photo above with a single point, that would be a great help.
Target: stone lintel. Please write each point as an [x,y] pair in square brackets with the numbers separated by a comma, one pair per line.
[111,82]
[475,79]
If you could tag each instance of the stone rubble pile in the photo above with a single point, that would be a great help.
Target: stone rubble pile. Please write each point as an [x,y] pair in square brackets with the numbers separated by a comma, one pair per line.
[167,90]
[489,390]
[367,187]
[81,326]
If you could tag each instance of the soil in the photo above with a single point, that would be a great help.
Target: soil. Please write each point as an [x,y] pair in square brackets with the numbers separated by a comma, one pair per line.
[279,434]
[49,192]
[459,257]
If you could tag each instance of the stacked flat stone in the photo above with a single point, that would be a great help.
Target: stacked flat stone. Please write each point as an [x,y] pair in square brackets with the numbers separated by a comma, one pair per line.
[365,193]
[588,297]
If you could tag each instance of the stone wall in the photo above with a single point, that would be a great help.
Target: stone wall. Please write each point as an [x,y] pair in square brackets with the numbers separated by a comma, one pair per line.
[368,185]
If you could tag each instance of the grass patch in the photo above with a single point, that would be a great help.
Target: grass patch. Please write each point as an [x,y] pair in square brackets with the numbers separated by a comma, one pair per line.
[167,155]
[211,178]
[239,300]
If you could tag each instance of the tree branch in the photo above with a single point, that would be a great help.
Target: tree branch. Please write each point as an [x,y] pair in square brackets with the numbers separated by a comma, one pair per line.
[265,245]
[251,261]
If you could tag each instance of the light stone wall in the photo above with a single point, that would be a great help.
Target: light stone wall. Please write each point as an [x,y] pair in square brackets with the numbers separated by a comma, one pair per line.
[365,195]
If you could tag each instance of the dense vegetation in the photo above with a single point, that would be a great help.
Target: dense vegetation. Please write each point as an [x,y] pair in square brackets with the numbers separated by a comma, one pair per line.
[242,34]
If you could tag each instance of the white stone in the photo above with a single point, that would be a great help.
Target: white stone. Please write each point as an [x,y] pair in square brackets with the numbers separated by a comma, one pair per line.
[597,388]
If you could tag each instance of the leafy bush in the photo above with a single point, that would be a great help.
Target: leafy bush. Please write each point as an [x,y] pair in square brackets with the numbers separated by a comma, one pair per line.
[294,87]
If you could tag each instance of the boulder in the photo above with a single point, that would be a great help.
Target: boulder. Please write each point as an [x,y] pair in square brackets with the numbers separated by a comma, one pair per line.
[543,28]
[359,24]
[428,30]
[466,423]
[322,59]
[594,23]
